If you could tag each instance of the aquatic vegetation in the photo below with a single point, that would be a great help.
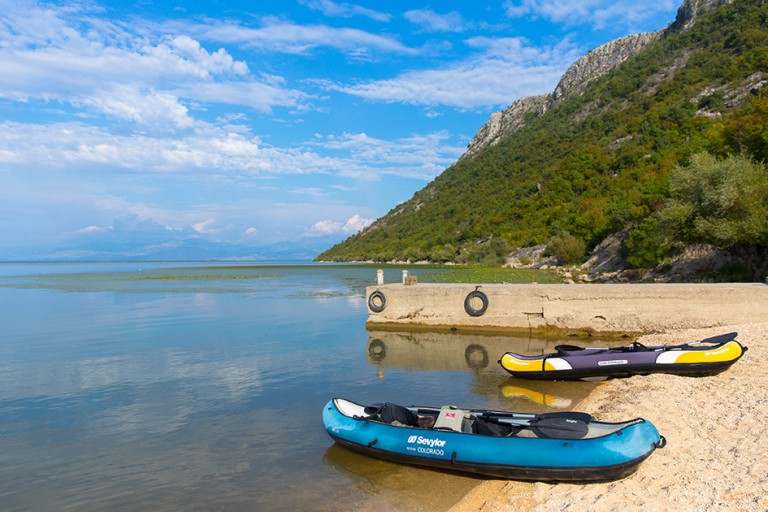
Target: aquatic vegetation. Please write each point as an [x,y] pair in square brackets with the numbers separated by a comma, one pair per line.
[488,275]
[206,277]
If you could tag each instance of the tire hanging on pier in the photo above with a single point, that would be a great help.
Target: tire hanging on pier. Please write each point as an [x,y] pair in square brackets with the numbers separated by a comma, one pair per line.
[470,309]
[377,301]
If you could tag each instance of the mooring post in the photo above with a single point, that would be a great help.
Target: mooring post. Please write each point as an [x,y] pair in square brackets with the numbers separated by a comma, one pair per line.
[380,277]
[405,275]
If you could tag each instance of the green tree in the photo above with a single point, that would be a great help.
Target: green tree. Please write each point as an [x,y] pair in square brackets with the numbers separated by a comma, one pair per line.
[722,202]
[645,244]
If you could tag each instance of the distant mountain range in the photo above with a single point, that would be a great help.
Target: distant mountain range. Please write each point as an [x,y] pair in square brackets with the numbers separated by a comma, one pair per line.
[130,239]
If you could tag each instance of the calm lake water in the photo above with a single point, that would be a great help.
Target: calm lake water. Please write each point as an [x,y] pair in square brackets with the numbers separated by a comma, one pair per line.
[173,386]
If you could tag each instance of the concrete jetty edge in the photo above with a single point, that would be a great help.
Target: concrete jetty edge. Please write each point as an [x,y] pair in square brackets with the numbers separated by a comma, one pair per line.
[557,309]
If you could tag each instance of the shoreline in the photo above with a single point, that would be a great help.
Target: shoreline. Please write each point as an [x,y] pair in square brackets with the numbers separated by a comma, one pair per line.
[716,456]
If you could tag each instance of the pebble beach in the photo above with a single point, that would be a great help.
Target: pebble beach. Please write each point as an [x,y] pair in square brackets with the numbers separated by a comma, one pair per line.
[716,458]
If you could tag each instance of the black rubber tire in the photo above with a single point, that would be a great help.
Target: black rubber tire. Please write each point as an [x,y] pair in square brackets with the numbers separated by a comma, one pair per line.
[373,306]
[471,311]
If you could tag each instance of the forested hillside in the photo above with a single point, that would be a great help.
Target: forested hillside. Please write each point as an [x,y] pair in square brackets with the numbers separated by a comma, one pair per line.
[669,148]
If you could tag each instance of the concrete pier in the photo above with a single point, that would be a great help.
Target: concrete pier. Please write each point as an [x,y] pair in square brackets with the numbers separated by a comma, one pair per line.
[594,309]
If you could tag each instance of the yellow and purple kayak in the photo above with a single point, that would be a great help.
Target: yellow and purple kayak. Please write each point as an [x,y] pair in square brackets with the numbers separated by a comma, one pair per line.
[705,357]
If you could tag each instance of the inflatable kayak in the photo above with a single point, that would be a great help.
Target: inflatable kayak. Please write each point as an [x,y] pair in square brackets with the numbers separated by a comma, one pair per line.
[701,358]
[555,447]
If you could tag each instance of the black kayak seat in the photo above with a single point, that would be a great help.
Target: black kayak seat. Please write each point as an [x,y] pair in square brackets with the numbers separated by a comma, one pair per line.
[389,412]
[565,350]
[579,352]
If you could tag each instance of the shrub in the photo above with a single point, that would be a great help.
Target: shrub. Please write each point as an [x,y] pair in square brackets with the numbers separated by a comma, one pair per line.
[722,202]
[566,247]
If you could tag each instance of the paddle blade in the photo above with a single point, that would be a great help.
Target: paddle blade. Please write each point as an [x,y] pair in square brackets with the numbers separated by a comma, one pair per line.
[579,416]
[722,338]
[561,427]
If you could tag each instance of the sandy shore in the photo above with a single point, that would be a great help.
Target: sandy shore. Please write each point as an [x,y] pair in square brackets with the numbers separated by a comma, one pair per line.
[716,457]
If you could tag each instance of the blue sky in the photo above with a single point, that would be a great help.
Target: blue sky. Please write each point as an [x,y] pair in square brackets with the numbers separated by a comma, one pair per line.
[175,129]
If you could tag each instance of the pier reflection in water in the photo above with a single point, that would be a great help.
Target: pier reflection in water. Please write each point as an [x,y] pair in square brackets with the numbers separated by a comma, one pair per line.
[477,355]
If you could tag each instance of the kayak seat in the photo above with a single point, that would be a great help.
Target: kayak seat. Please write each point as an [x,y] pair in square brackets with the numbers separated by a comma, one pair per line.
[488,427]
[565,350]
[451,418]
[393,414]
[427,421]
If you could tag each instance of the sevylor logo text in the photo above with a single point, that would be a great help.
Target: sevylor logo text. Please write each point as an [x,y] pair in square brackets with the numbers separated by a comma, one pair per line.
[426,446]
[432,443]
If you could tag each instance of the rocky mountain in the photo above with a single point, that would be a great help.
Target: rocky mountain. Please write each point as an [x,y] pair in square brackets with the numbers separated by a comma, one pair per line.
[692,10]
[594,64]
[596,158]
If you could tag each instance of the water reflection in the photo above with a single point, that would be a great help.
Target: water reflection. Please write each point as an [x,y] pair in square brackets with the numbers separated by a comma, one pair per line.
[477,355]
[536,396]
[447,351]
[124,387]
[398,486]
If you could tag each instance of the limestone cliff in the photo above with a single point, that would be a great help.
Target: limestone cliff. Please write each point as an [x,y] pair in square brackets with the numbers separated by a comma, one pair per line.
[593,65]
[589,67]
[507,121]
[692,9]
[598,62]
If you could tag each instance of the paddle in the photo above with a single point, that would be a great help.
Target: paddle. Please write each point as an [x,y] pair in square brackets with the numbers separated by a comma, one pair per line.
[721,338]
[560,425]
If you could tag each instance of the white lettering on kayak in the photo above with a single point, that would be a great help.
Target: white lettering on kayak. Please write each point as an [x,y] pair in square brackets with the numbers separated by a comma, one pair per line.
[431,442]
[612,362]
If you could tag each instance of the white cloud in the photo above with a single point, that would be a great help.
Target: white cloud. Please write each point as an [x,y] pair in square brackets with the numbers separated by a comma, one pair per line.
[93,229]
[418,156]
[356,223]
[74,146]
[281,36]
[353,225]
[191,51]
[597,13]
[324,227]
[503,70]
[204,226]
[259,95]
[345,10]
[64,55]
[148,108]
[430,21]
[313,192]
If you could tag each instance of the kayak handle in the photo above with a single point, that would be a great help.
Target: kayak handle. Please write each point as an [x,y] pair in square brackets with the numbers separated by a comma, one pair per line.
[661,444]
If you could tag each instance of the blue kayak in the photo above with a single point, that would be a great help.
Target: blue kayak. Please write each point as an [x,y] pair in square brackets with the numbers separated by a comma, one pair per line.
[554,447]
